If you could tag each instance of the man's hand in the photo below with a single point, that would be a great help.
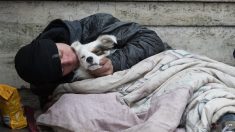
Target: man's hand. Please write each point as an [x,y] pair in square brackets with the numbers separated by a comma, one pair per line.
[106,69]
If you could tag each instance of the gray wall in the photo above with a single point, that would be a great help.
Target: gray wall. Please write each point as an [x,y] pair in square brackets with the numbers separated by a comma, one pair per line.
[205,27]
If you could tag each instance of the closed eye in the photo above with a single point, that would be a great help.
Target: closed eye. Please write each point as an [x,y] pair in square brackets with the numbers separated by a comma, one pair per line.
[83,57]
[62,70]
[60,54]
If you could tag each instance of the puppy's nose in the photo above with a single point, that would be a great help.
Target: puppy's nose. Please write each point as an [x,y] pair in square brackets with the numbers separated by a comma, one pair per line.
[89,59]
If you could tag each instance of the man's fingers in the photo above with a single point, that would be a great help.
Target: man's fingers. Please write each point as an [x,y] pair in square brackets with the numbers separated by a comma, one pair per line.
[106,69]
[98,71]
[103,61]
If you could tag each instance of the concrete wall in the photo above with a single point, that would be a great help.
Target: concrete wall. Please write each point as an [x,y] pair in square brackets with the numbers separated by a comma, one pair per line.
[205,27]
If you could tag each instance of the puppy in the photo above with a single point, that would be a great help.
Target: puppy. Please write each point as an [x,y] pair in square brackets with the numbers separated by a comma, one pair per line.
[89,55]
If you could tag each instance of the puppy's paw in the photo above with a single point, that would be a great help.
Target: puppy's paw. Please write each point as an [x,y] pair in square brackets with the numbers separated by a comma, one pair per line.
[107,41]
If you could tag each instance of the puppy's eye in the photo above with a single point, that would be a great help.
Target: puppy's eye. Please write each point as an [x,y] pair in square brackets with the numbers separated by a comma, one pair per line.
[83,57]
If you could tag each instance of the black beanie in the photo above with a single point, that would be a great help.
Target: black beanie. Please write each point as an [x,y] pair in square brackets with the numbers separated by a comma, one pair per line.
[234,53]
[39,62]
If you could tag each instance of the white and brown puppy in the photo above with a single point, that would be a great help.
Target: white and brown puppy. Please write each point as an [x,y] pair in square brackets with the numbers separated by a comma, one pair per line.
[89,55]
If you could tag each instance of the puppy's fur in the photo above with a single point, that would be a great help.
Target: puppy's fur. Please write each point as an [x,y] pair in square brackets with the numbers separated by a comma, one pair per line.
[89,55]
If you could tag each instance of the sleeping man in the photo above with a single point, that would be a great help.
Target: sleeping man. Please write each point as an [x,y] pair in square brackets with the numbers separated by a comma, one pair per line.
[48,64]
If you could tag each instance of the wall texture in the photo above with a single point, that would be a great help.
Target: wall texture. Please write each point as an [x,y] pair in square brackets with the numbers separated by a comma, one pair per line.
[205,27]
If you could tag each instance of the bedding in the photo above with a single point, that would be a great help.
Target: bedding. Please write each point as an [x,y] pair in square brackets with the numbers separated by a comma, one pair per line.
[171,91]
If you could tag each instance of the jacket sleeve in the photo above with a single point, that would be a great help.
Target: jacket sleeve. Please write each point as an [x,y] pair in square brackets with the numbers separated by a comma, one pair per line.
[93,26]
[134,42]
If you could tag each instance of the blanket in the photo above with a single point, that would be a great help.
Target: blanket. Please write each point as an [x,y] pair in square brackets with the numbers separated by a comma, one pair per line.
[172,91]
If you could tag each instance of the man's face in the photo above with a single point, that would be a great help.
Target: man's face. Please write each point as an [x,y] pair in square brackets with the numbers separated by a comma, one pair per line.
[68,58]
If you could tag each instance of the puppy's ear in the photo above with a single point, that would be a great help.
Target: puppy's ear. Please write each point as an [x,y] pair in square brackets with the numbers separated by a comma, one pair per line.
[76,44]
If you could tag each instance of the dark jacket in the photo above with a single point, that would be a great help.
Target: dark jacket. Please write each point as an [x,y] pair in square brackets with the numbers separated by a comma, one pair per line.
[134,42]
